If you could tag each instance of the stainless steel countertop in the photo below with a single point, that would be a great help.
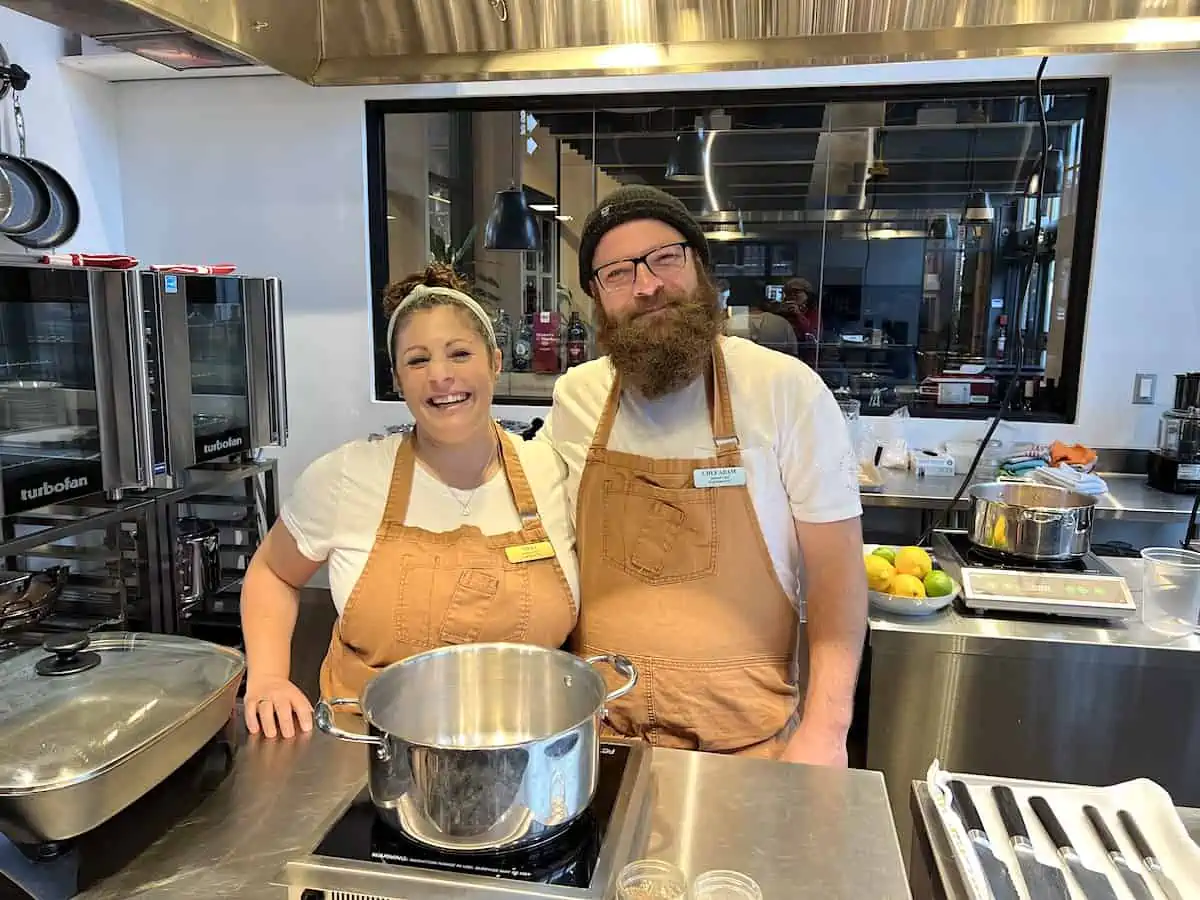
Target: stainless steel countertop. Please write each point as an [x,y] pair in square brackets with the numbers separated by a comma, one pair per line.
[799,831]
[940,857]
[963,632]
[1129,497]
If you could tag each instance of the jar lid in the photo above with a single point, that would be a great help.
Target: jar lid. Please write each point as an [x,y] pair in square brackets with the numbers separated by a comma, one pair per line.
[92,702]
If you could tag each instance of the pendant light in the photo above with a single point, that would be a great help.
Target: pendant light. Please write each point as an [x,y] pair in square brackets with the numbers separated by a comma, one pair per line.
[686,162]
[511,225]
[979,208]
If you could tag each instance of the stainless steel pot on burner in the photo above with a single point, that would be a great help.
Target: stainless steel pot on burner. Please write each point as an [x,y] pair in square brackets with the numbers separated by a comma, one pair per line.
[480,747]
[1031,521]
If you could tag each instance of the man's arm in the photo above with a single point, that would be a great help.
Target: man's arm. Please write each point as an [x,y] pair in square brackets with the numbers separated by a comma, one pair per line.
[836,599]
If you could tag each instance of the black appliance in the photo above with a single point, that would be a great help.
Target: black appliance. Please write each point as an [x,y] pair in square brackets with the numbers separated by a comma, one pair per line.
[1174,464]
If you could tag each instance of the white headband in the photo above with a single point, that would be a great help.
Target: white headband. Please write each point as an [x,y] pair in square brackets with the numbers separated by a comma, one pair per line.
[424,290]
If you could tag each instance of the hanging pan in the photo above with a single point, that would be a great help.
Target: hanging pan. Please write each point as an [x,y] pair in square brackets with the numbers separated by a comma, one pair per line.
[24,194]
[62,218]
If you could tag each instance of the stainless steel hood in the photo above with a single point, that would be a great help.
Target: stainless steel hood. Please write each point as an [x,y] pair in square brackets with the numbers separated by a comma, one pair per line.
[344,42]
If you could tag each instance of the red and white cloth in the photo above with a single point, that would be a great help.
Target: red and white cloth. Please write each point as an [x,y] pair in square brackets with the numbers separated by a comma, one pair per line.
[94,260]
[215,269]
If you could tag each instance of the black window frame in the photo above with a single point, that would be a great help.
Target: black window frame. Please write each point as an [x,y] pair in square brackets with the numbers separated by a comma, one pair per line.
[1087,207]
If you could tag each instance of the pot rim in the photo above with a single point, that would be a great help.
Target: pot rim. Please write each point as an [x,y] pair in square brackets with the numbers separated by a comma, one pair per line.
[1089,501]
[451,649]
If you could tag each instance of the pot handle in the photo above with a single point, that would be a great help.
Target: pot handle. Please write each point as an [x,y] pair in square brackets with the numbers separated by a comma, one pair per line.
[323,716]
[1043,516]
[624,666]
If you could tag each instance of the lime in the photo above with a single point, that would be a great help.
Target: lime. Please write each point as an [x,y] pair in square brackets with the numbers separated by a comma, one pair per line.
[888,553]
[938,584]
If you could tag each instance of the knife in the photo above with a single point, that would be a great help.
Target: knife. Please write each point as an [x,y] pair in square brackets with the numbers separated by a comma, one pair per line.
[1042,880]
[1149,860]
[999,879]
[1095,885]
[1133,880]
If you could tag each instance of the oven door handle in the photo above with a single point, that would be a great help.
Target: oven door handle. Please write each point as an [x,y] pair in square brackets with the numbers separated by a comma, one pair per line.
[139,377]
[278,405]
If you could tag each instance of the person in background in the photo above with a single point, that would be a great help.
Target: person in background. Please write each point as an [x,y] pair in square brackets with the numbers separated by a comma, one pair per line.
[798,308]
[415,528]
[715,495]
[768,329]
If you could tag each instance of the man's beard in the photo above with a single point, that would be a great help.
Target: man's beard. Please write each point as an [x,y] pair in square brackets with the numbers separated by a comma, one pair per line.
[665,344]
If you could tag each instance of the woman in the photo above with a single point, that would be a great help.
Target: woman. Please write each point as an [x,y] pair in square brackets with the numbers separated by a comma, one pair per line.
[456,533]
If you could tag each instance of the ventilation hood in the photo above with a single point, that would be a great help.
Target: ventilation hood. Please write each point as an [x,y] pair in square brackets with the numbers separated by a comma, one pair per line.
[345,42]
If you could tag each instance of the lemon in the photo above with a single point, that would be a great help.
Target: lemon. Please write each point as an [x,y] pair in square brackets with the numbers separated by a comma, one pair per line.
[888,553]
[938,584]
[879,573]
[999,533]
[907,586]
[914,561]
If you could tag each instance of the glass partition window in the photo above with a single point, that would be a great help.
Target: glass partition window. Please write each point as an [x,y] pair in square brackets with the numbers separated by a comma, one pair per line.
[884,237]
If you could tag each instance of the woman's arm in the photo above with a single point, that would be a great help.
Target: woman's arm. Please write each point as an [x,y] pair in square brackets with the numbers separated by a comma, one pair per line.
[270,601]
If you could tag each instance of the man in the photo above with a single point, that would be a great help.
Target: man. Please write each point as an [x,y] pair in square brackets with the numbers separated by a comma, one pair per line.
[709,478]
[797,308]
[769,329]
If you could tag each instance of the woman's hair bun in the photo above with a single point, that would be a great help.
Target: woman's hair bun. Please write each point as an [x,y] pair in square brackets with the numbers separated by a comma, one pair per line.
[436,274]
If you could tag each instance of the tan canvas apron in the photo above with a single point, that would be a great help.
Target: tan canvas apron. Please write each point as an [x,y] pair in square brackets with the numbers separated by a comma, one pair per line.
[679,579]
[423,589]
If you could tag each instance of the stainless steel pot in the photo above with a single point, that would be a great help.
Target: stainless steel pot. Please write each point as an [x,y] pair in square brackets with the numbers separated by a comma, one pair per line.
[483,746]
[1031,521]
[197,563]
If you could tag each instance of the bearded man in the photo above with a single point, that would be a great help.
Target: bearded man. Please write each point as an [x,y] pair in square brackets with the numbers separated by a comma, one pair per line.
[715,496]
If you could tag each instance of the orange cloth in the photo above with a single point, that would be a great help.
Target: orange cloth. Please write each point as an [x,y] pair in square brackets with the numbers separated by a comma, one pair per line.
[1072,454]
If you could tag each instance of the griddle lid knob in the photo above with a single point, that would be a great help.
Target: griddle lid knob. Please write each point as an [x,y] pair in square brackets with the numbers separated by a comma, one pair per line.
[71,655]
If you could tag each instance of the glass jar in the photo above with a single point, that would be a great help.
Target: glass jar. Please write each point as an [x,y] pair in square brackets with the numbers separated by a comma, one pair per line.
[725,884]
[651,879]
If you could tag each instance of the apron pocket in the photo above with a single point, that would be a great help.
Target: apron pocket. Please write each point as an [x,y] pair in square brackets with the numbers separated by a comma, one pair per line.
[468,606]
[723,707]
[659,535]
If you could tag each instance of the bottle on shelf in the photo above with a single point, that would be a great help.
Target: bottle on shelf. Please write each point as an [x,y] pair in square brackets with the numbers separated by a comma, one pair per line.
[503,328]
[522,346]
[577,341]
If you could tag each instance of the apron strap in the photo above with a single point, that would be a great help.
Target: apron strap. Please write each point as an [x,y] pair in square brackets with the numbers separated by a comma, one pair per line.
[716,387]
[518,486]
[396,508]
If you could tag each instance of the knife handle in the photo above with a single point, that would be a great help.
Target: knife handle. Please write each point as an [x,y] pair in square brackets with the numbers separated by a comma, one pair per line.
[1101,829]
[1050,822]
[1135,835]
[962,799]
[1010,813]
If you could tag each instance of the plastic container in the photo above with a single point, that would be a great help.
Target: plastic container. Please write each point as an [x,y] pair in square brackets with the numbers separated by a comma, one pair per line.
[1171,590]
[964,451]
[651,879]
[724,884]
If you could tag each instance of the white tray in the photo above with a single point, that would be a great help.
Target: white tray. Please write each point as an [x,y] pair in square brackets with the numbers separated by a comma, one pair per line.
[1145,800]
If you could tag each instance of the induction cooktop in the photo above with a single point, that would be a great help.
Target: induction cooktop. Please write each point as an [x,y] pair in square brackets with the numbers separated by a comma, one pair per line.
[361,856]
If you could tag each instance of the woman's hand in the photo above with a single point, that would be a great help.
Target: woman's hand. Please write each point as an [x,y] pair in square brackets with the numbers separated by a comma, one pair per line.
[273,705]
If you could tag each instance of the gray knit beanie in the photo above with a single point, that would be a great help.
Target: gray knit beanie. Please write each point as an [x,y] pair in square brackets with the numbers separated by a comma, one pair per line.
[628,203]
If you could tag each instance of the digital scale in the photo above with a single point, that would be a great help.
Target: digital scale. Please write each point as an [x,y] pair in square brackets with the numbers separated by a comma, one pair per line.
[1083,588]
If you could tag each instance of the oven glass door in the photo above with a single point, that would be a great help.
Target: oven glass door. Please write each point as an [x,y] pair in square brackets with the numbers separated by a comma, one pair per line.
[49,419]
[220,385]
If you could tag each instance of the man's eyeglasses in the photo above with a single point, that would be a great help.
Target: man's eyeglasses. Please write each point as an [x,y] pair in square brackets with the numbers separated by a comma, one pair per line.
[662,262]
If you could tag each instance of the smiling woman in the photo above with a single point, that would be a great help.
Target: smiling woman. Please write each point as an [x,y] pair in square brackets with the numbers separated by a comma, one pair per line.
[456,533]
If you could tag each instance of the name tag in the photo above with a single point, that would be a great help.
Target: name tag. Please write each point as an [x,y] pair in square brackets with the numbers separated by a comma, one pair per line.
[523,553]
[730,476]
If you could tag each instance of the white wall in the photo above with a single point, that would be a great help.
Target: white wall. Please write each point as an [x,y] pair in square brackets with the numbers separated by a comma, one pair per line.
[269,174]
[70,123]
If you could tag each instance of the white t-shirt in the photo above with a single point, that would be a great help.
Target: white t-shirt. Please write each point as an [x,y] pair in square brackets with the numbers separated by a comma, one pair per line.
[796,449]
[337,504]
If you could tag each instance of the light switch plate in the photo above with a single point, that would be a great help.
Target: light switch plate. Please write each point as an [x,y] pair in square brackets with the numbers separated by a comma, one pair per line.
[1144,386]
